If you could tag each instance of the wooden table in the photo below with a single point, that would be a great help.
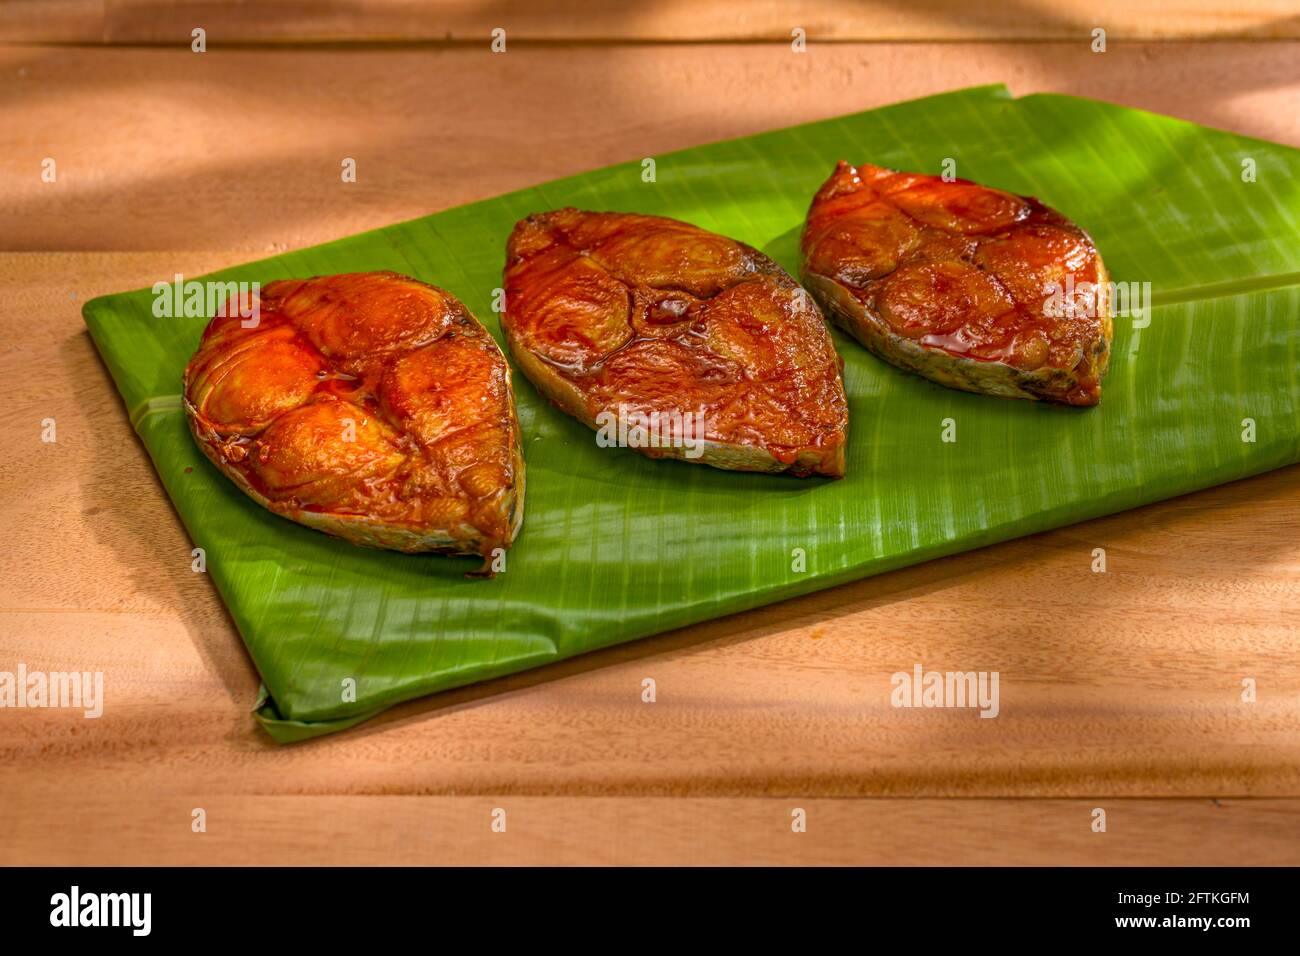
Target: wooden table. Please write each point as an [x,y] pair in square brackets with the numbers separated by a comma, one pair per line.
[1121,690]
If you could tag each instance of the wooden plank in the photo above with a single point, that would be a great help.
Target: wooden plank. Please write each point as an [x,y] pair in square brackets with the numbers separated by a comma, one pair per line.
[241,150]
[1126,683]
[558,831]
[471,21]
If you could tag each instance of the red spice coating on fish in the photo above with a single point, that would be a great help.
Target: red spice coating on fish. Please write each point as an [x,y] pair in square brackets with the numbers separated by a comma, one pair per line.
[970,286]
[369,405]
[613,310]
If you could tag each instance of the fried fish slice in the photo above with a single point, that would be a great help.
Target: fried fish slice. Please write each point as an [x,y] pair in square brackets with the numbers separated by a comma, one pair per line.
[616,316]
[370,406]
[968,286]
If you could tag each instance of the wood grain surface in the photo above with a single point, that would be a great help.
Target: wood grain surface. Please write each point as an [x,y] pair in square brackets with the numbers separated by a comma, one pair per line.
[240,150]
[472,21]
[1120,690]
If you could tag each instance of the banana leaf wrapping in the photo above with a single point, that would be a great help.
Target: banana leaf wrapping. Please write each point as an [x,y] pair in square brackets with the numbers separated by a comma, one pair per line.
[1202,389]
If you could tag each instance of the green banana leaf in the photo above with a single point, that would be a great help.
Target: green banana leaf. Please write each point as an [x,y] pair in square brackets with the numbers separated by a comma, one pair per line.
[616,546]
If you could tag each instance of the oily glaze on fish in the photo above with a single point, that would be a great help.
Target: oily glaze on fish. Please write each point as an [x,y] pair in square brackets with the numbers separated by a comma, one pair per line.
[370,406]
[953,280]
[614,312]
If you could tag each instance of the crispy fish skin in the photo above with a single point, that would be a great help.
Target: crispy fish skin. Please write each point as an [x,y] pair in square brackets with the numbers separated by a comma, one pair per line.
[950,280]
[610,311]
[370,406]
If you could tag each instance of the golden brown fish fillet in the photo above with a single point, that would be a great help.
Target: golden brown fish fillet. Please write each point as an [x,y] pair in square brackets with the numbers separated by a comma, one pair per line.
[953,280]
[651,316]
[370,406]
